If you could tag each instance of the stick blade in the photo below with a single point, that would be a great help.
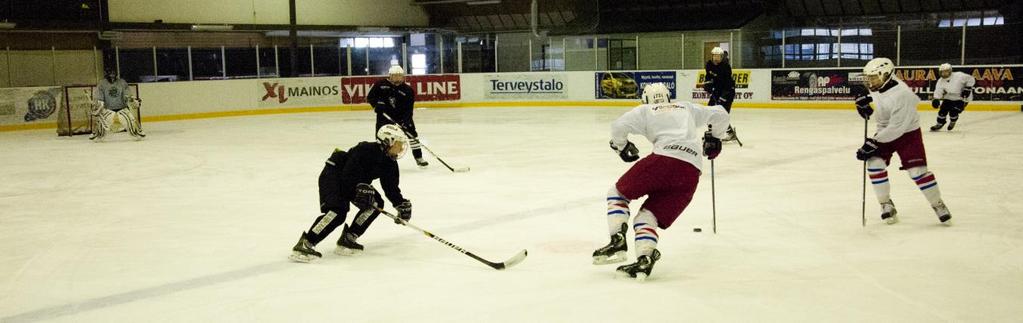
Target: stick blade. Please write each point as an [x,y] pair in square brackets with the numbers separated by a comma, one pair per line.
[461,170]
[514,260]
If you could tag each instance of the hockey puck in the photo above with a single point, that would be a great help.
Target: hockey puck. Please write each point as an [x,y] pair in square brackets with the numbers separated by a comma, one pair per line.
[697,230]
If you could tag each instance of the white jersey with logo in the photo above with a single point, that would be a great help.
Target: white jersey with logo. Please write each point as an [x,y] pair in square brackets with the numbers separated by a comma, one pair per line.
[114,95]
[896,111]
[951,87]
[676,129]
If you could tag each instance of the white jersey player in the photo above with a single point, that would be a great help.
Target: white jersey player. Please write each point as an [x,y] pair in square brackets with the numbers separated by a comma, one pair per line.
[952,93]
[112,98]
[668,176]
[898,131]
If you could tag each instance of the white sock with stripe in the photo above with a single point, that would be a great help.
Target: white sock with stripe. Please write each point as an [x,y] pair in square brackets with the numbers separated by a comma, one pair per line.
[617,210]
[645,226]
[879,178]
[927,183]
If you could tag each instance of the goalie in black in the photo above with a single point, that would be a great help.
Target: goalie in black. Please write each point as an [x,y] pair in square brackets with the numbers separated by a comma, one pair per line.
[111,98]
[345,180]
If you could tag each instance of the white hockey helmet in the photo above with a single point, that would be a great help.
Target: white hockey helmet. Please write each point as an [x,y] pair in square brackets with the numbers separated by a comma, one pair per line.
[945,67]
[390,135]
[655,93]
[396,69]
[881,67]
[717,51]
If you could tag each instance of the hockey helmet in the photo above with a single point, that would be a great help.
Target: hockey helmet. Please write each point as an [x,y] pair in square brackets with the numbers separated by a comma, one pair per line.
[880,67]
[945,67]
[656,93]
[717,51]
[396,69]
[394,140]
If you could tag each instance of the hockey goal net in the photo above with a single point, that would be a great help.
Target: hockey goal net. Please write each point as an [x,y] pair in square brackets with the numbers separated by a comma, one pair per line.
[75,115]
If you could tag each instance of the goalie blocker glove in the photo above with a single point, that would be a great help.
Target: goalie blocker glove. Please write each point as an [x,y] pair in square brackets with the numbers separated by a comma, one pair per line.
[629,153]
[935,103]
[868,150]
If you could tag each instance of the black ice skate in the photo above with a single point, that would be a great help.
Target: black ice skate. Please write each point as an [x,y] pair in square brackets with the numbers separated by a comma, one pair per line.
[346,245]
[942,212]
[888,213]
[303,251]
[640,269]
[422,162]
[613,252]
[951,125]
[938,127]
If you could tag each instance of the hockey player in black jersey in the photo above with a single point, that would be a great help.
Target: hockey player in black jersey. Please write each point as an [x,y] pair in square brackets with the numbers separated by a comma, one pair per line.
[720,85]
[393,100]
[345,180]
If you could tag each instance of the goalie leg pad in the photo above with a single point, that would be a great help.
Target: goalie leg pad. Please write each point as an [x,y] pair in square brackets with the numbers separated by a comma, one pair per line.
[128,121]
[103,119]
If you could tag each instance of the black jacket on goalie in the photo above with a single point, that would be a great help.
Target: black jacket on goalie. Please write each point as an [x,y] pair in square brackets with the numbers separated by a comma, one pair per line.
[719,84]
[363,163]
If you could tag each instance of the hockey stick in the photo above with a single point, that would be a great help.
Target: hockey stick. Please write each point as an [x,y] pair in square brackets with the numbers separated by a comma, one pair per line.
[713,200]
[863,199]
[496,265]
[456,170]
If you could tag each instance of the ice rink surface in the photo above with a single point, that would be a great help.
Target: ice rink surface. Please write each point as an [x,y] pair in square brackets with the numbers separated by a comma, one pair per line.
[195,224]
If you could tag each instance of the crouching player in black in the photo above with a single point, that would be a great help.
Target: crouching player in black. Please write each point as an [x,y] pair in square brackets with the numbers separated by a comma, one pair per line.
[345,179]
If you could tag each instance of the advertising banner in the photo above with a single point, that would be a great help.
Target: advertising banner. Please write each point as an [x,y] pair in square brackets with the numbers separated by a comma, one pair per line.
[530,86]
[742,79]
[993,83]
[444,87]
[629,85]
[298,92]
[29,104]
[815,85]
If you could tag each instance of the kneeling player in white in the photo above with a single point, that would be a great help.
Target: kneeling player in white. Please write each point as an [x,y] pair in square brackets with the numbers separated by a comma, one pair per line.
[668,176]
[951,93]
[112,99]
[898,131]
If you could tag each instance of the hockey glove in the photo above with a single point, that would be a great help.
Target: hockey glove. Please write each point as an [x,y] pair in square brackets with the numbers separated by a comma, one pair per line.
[365,196]
[711,145]
[404,211]
[708,85]
[966,92]
[935,103]
[863,106]
[629,153]
[868,150]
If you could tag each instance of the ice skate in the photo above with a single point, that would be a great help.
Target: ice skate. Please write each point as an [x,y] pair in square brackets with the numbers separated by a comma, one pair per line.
[346,245]
[422,162]
[951,125]
[942,212]
[303,251]
[732,136]
[614,251]
[938,127]
[640,269]
[888,213]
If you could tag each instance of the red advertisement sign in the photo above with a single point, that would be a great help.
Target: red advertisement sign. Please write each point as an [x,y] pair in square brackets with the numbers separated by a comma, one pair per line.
[445,87]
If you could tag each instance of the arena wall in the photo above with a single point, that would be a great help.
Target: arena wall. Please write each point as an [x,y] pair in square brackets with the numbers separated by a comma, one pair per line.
[222,98]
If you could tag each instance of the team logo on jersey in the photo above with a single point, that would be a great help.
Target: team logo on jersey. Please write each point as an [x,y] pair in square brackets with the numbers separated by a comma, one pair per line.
[41,106]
